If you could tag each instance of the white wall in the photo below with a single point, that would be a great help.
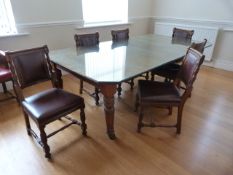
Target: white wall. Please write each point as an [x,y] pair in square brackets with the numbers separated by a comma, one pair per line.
[28,11]
[54,23]
[217,13]
[140,8]
[195,9]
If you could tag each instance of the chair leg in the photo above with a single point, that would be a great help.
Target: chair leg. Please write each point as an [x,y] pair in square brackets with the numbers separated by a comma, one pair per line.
[4,87]
[170,110]
[131,84]
[81,87]
[166,80]
[152,76]
[83,124]
[147,76]
[191,93]
[140,124]
[43,138]
[136,103]
[179,119]
[97,96]
[28,126]
[119,89]
[16,94]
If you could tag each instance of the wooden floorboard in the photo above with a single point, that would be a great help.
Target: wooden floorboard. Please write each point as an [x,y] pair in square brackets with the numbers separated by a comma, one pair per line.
[205,146]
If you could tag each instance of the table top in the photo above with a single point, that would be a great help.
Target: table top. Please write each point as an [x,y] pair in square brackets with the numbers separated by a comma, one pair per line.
[116,62]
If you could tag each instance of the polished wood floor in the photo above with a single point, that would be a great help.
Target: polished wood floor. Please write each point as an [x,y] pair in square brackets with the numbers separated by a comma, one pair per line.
[205,146]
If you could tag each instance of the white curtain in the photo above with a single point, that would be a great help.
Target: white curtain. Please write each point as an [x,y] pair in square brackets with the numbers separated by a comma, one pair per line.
[7,21]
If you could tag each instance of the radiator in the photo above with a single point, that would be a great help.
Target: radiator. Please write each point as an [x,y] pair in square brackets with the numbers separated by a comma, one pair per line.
[200,32]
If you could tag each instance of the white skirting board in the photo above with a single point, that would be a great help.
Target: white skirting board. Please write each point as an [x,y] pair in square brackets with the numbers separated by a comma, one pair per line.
[200,33]
[222,64]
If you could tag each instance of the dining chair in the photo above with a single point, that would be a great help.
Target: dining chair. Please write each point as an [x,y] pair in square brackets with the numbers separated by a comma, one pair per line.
[5,76]
[182,33]
[119,36]
[168,71]
[89,40]
[167,94]
[30,67]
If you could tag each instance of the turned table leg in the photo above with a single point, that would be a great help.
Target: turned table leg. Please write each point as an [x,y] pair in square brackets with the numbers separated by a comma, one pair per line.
[108,91]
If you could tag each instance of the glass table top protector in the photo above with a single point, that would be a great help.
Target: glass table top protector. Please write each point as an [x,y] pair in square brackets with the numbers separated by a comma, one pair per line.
[118,62]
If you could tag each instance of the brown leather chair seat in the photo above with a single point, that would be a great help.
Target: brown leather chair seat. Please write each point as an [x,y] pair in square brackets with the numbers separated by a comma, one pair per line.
[161,92]
[40,109]
[5,74]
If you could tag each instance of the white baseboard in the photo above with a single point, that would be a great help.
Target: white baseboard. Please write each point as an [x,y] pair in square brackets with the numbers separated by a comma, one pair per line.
[221,24]
[223,64]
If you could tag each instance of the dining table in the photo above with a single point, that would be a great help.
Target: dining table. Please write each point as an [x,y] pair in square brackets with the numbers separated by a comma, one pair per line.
[111,63]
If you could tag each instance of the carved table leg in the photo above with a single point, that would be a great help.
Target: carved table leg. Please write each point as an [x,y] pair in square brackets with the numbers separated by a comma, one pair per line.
[108,90]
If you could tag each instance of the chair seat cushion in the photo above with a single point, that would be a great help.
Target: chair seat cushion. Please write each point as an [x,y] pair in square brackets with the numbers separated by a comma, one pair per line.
[158,92]
[5,74]
[51,104]
[169,70]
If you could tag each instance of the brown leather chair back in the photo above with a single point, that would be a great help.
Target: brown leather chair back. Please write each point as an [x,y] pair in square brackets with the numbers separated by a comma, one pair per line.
[199,46]
[182,33]
[30,66]
[87,40]
[189,69]
[120,35]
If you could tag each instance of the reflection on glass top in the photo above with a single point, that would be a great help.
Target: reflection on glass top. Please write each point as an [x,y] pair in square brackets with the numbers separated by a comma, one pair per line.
[115,62]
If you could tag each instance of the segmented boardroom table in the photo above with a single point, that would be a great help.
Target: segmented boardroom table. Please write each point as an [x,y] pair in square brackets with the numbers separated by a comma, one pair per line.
[111,63]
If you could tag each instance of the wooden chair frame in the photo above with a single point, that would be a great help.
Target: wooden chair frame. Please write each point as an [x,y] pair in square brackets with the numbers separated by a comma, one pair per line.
[20,84]
[197,46]
[88,40]
[4,65]
[119,36]
[180,78]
